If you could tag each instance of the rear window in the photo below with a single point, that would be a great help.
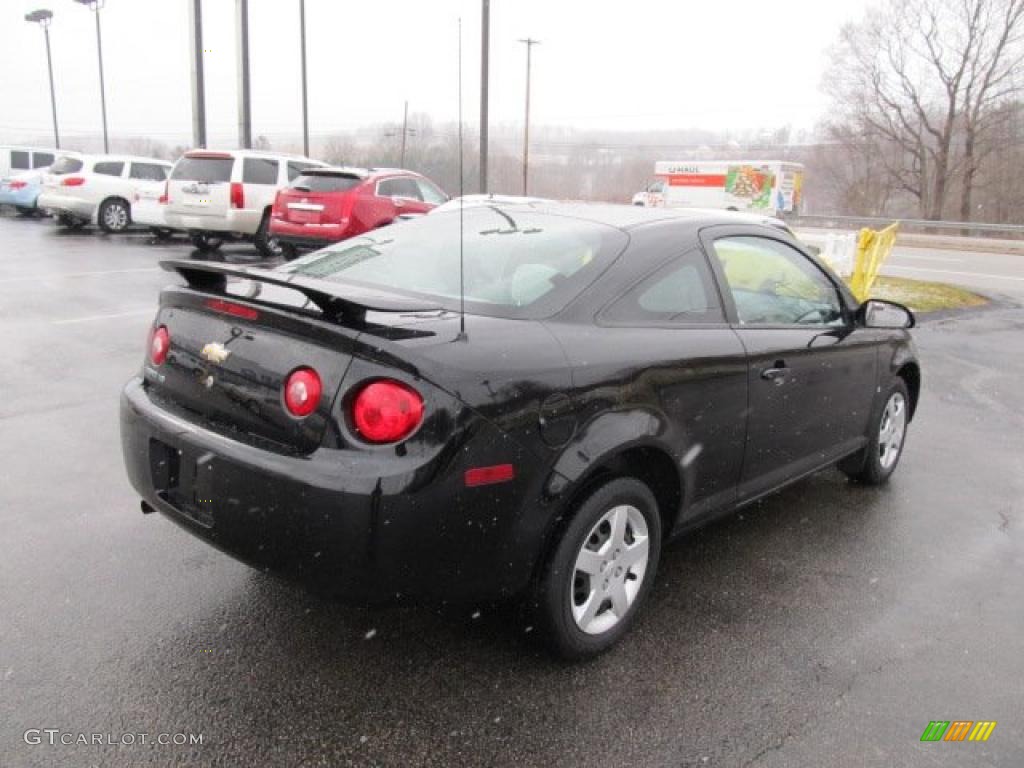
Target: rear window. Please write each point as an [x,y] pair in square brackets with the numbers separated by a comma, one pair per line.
[259,170]
[148,171]
[66,165]
[109,168]
[205,169]
[42,159]
[326,183]
[517,264]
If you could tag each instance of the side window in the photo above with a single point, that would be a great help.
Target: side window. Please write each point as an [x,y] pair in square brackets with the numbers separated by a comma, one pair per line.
[19,160]
[680,292]
[259,170]
[109,168]
[400,187]
[42,159]
[774,284]
[148,171]
[429,193]
[657,187]
[295,169]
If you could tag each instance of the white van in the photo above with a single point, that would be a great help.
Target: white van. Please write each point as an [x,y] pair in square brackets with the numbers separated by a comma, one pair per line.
[100,190]
[15,160]
[771,187]
[218,196]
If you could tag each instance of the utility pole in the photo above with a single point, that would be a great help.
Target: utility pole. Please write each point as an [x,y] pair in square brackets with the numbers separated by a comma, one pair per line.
[485,66]
[244,105]
[195,26]
[95,5]
[43,18]
[305,94]
[405,132]
[529,42]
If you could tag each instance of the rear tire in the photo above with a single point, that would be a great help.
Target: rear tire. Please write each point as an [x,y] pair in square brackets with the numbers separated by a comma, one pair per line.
[115,215]
[69,222]
[205,243]
[875,463]
[288,251]
[266,245]
[161,234]
[601,569]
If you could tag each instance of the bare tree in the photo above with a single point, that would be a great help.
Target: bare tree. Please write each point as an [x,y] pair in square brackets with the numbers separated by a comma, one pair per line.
[919,73]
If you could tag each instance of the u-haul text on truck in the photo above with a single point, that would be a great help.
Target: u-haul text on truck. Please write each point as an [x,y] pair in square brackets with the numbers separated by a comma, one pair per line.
[765,186]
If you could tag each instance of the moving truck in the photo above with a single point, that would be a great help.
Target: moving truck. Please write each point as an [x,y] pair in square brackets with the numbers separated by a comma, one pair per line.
[771,187]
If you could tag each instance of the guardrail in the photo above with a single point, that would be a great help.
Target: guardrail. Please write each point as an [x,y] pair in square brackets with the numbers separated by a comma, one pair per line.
[958,228]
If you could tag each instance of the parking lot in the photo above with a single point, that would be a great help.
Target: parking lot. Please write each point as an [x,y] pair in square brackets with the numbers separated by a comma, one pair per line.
[825,626]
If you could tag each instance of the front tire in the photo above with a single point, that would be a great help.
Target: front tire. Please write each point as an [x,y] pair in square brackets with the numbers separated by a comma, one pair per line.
[877,461]
[67,221]
[115,215]
[601,569]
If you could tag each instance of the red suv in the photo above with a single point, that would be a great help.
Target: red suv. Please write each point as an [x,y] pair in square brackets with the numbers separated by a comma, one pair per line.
[325,205]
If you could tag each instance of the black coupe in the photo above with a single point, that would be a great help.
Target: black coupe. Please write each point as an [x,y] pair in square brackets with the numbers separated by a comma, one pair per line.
[512,401]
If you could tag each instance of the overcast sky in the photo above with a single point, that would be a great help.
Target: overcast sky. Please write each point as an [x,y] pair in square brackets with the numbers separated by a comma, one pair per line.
[713,64]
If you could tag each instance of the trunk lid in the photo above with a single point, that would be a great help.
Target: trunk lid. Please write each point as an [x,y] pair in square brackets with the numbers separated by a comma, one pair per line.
[230,355]
[318,196]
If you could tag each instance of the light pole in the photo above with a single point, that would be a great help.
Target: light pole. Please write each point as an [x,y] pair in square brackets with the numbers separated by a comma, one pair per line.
[195,26]
[244,102]
[485,61]
[95,5]
[43,18]
[529,42]
[305,99]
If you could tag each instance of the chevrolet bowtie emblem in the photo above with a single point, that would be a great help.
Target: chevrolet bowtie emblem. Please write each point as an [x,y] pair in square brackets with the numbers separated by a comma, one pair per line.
[215,352]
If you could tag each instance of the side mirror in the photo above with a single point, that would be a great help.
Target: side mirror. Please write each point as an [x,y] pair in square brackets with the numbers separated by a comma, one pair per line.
[878,313]
[398,201]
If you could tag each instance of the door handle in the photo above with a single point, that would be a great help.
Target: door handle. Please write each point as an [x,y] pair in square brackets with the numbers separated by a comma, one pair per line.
[776,374]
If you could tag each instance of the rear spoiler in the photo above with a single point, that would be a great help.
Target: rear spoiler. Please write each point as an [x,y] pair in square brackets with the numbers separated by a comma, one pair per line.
[338,301]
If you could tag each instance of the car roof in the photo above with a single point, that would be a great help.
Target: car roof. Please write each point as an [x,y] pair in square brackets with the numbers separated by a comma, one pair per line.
[361,173]
[626,217]
[200,152]
[124,158]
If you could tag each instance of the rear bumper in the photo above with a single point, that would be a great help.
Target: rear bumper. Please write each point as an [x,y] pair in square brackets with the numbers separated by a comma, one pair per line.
[25,197]
[56,203]
[308,235]
[365,525]
[235,221]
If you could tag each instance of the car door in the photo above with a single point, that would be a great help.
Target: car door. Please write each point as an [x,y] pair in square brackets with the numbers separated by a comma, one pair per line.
[105,181]
[811,370]
[405,194]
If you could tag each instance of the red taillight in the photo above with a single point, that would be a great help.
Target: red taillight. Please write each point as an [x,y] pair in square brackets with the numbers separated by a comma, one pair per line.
[237,195]
[159,345]
[165,197]
[387,411]
[302,390]
[230,308]
[18,184]
[72,181]
[499,473]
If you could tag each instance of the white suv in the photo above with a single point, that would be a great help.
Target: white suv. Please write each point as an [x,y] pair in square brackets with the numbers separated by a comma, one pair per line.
[100,190]
[218,196]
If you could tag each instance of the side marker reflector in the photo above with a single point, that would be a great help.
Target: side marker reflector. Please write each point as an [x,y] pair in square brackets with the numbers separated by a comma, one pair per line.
[499,473]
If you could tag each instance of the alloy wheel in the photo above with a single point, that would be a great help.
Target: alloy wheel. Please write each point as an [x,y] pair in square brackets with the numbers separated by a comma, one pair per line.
[609,569]
[892,429]
[115,216]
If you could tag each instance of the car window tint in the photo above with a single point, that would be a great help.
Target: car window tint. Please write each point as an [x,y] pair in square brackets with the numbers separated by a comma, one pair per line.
[19,160]
[148,171]
[429,193]
[517,263]
[205,169]
[296,168]
[401,187]
[65,165]
[109,168]
[42,159]
[773,283]
[259,170]
[680,292]
[326,182]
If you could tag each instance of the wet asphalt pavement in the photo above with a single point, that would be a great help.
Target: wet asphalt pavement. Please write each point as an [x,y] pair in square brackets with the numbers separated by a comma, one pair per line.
[825,626]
